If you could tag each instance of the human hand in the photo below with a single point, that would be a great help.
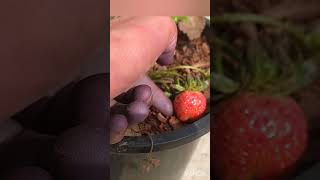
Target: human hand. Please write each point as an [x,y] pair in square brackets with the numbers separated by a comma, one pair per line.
[136,44]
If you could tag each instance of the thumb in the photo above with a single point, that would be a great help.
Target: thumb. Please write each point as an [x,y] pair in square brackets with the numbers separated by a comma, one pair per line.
[135,45]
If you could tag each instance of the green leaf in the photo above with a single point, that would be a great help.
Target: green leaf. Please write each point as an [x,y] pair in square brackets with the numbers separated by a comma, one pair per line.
[179,88]
[167,94]
[313,40]
[223,84]
[179,18]
[218,66]
[226,46]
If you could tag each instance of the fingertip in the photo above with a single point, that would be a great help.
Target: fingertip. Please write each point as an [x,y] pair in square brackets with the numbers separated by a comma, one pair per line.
[167,56]
[140,92]
[163,104]
[137,112]
[118,123]
[143,93]
[118,126]
[159,100]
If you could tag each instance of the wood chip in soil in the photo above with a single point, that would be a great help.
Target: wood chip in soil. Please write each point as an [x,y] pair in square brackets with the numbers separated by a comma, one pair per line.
[156,123]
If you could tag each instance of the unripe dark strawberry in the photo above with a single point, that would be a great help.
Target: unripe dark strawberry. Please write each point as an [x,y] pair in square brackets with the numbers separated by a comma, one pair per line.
[260,137]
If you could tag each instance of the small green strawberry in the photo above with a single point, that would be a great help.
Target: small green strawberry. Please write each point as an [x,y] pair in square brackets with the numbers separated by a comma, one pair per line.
[189,105]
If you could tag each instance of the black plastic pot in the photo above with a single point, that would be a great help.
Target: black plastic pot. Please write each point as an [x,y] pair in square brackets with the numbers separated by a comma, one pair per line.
[131,158]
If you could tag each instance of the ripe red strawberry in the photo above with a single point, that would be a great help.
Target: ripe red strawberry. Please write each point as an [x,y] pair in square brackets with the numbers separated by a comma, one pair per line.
[189,105]
[257,137]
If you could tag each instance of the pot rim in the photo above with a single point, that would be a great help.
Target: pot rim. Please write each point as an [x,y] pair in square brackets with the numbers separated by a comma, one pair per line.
[164,141]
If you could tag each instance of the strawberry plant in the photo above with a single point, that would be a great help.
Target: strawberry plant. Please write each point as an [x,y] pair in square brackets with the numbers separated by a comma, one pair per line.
[178,78]
[185,84]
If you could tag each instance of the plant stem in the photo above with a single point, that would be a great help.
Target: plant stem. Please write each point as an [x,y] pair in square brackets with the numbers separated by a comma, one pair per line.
[227,46]
[189,67]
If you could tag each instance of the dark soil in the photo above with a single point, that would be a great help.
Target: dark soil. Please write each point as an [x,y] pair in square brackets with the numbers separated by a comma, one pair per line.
[309,100]
[191,53]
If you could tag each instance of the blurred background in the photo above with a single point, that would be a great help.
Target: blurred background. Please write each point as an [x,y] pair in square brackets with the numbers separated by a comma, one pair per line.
[269,49]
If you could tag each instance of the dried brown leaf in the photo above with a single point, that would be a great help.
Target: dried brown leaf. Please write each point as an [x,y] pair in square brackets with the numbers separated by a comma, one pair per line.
[193,27]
